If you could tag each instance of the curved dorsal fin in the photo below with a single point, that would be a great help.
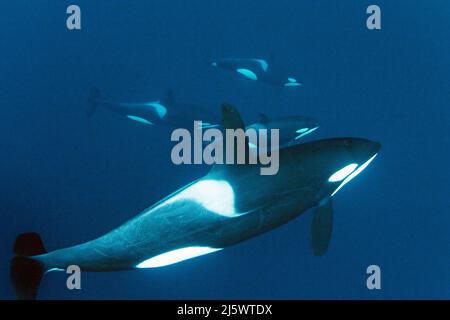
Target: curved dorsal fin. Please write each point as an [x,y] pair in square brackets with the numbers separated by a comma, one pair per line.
[272,59]
[263,118]
[231,119]
[169,98]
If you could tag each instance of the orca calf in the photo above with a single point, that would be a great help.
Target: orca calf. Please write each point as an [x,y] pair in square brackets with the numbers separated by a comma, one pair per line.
[232,203]
[167,112]
[258,70]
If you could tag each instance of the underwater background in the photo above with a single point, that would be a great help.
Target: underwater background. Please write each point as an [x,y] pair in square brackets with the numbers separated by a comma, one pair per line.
[72,179]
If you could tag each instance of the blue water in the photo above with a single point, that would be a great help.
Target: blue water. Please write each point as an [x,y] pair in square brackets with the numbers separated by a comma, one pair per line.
[71,178]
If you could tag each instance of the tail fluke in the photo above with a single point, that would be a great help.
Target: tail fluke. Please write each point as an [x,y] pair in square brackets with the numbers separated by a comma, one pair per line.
[94,94]
[26,273]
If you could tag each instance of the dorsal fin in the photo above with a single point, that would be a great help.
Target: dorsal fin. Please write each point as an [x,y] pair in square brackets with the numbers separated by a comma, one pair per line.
[272,59]
[231,119]
[169,98]
[263,118]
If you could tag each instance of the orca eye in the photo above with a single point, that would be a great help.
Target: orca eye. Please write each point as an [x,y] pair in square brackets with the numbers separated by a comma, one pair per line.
[353,173]
[159,108]
[343,173]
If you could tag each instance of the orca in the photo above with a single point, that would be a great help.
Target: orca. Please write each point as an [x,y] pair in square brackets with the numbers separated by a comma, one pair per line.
[256,69]
[291,128]
[166,112]
[230,204]
[169,112]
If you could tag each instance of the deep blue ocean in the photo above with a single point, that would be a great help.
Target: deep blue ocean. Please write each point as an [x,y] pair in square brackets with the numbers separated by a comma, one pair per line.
[72,179]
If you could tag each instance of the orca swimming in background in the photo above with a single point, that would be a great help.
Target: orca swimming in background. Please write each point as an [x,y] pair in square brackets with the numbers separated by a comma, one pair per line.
[258,70]
[167,112]
[232,203]
[291,128]
[170,113]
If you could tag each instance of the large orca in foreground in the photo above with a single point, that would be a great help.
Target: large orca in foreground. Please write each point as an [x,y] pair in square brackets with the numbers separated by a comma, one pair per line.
[166,112]
[232,203]
[258,70]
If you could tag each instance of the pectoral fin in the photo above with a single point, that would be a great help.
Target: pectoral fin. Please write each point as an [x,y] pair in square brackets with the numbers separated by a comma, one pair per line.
[321,227]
